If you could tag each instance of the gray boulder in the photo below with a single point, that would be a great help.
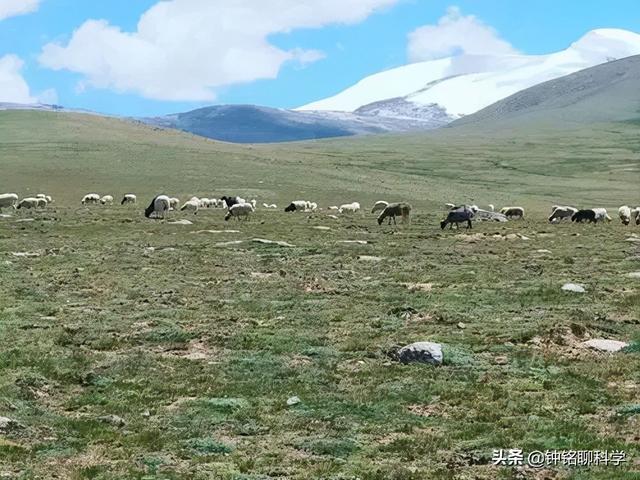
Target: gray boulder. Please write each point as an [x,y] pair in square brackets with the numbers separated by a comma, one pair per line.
[421,352]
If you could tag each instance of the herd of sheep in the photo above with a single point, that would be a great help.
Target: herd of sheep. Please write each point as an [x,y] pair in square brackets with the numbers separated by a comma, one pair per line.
[237,207]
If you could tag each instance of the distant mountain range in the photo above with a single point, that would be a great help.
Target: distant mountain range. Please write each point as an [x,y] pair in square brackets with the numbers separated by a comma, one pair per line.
[464,89]
[464,84]
[254,124]
[604,93]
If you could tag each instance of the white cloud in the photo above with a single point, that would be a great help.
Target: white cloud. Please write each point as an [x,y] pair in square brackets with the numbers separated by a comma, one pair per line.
[186,49]
[13,88]
[456,33]
[12,8]
[48,96]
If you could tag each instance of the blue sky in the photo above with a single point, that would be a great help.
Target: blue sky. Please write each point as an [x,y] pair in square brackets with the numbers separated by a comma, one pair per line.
[291,59]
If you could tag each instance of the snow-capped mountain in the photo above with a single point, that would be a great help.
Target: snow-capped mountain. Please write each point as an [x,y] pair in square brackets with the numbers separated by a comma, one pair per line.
[463,84]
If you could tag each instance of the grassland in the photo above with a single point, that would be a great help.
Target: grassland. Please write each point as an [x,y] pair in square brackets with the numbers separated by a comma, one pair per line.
[196,335]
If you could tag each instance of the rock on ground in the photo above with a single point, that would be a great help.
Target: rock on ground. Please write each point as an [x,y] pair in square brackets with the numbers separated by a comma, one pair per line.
[421,352]
[573,287]
[604,345]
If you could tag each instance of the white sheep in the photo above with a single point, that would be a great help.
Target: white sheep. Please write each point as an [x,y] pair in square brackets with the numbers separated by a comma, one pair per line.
[559,213]
[511,212]
[191,205]
[160,205]
[296,206]
[239,210]
[91,198]
[601,215]
[29,202]
[174,203]
[106,200]
[129,198]
[349,208]
[379,206]
[624,213]
[8,200]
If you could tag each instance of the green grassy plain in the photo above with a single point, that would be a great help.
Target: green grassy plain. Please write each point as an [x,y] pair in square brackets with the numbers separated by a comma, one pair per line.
[196,335]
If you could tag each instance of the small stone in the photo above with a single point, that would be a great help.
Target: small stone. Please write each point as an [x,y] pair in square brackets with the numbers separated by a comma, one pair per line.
[146,414]
[633,275]
[369,258]
[421,352]
[7,423]
[573,287]
[501,360]
[114,420]
[461,325]
[320,227]
[293,401]
[604,345]
[181,222]
[543,250]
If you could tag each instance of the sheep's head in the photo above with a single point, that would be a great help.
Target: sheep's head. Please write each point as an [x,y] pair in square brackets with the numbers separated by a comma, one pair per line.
[443,224]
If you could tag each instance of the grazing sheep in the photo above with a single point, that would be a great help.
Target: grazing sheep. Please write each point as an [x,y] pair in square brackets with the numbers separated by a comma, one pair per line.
[8,200]
[584,215]
[91,198]
[394,209]
[296,205]
[160,205]
[349,208]
[203,202]
[106,200]
[174,203]
[231,201]
[239,210]
[379,206]
[513,212]
[191,205]
[624,213]
[42,202]
[559,213]
[601,214]
[129,198]
[29,202]
[457,216]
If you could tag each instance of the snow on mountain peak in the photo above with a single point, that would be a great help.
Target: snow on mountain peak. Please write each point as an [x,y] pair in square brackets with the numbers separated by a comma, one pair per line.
[464,84]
